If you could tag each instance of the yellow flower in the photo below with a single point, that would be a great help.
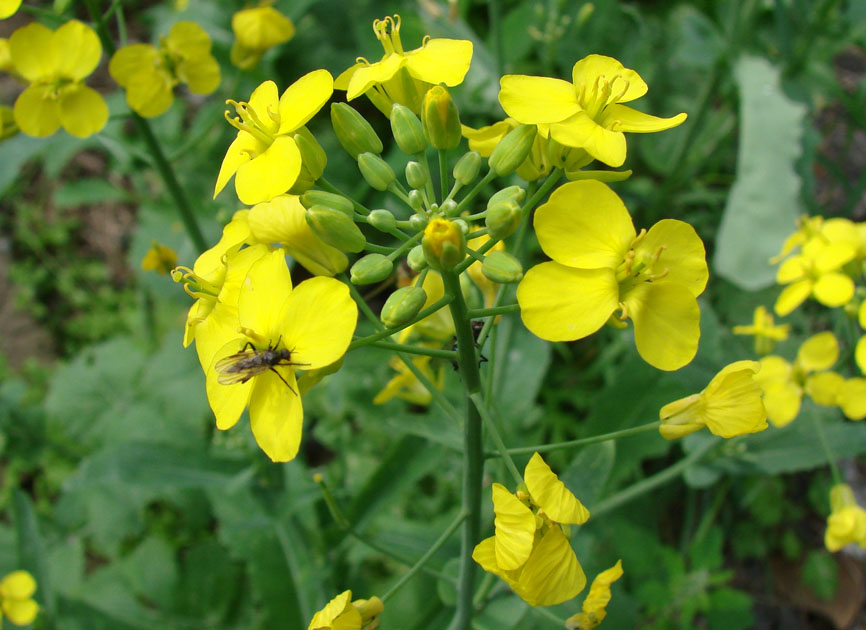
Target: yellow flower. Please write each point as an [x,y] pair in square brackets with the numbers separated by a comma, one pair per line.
[847,521]
[159,258]
[730,405]
[55,64]
[149,74]
[257,30]
[595,604]
[816,272]
[342,613]
[851,398]
[281,328]
[860,349]
[586,113]
[444,244]
[404,77]
[406,385]
[484,140]
[16,598]
[8,8]
[529,549]
[784,383]
[813,233]
[765,332]
[281,220]
[264,157]
[600,265]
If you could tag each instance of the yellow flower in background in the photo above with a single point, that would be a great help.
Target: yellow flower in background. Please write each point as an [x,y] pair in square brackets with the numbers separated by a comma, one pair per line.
[404,77]
[529,549]
[16,598]
[159,258]
[600,264]
[588,112]
[342,613]
[851,398]
[406,385]
[149,73]
[55,64]
[766,333]
[730,405]
[813,233]
[847,521]
[816,272]
[264,158]
[595,604]
[257,30]
[860,348]
[8,8]
[784,383]
[281,328]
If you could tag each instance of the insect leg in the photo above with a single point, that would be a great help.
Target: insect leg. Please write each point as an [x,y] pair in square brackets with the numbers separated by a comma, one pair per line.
[272,369]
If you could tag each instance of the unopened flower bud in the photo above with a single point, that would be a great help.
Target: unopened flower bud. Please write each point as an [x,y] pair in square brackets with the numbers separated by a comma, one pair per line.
[382,220]
[464,227]
[416,200]
[448,207]
[329,200]
[407,130]
[335,228]
[444,244]
[418,221]
[403,305]
[416,259]
[512,150]
[512,193]
[502,219]
[467,168]
[313,156]
[376,171]
[416,175]
[369,608]
[440,119]
[353,131]
[371,269]
[502,267]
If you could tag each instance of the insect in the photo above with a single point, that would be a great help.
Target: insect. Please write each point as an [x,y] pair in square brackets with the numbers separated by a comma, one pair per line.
[242,366]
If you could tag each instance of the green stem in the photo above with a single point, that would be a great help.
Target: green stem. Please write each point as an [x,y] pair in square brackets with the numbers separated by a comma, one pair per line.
[387,332]
[379,249]
[473,455]
[494,15]
[478,253]
[329,187]
[650,483]
[494,310]
[831,460]
[162,166]
[427,352]
[472,193]
[605,437]
[428,186]
[426,557]
[488,325]
[406,246]
[443,174]
[497,438]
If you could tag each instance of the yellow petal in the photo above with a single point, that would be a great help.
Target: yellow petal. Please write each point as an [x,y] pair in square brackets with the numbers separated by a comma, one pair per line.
[237,267]
[365,76]
[317,322]
[130,60]
[833,289]
[551,495]
[304,98]
[240,152]
[861,315]
[860,353]
[36,114]
[17,585]
[269,174]
[792,296]
[515,529]
[485,139]
[202,75]
[227,401]
[586,71]
[188,40]
[345,77]
[265,289]
[149,92]
[793,269]
[552,574]
[676,248]
[818,352]
[533,100]
[260,28]
[559,303]
[440,61]
[83,112]
[21,612]
[851,397]
[585,224]
[782,401]
[334,608]
[34,52]
[582,132]
[733,402]
[265,101]
[276,414]
[666,323]
[80,50]
[823,387]
[596,601]
[623,118]
[8,8]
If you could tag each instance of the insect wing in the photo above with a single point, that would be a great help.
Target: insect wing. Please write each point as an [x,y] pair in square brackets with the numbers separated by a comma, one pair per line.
[238,368]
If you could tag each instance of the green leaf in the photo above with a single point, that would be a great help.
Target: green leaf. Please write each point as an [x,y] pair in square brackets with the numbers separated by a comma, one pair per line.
[706,553]
[765,197]
[210,583]
[588,473]
[87,191]
[821,574]
[730,609]
[31,547]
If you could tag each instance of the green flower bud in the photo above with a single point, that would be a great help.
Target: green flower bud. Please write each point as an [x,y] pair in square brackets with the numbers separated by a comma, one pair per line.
[353,131]
[407,130]
[418,221]
[512,193]
[471,292]
[371,269]
[376,171]
[502,267]
[467,168]
[416,175]
[382,220]
[502,219]
[403,305]
[335,228]
[444,244]
[329,200]
[440,119]
[313,156]
[448,207]
[512,150]
[416,200]
[464,227]
[416,259]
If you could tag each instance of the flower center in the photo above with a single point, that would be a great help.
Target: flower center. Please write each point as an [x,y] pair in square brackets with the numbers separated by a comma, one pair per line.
[601,93]
[248,120]
[195,286]
[388,33]
[636,268]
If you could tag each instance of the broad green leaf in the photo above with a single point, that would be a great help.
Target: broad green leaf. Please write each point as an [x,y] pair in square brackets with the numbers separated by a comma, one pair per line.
[588,473]
[210,582]
[730,609]
[31,547]
[821,574]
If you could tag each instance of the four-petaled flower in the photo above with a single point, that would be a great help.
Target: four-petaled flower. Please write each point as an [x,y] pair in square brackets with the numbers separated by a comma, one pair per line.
[257,30]
[766,333]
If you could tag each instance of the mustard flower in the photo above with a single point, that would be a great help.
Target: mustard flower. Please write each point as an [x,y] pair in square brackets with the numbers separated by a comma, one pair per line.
[342,613]
[159,258]
[55,64]
[600,264]
[588,112]
[8,8]
[280,329]
[730,405]
[851,398]
[281,220]
[784,383]
[404,77]
[816,273]
[444,244]
[847,521]
[766,333]
[406,385]
[595,604]
[257,30]
[529,549]
[16,598]
[149,73]
[813,233]
[264,158]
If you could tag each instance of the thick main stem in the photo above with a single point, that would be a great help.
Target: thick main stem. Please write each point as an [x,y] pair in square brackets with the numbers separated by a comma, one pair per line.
[473,455]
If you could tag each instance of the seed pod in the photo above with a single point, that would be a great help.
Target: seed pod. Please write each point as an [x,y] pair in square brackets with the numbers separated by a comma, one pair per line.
[403,305]
[440,119]
[353,131]
[371,269]
[407,130]
[329,200]
[336,229]
[502,267]
[512,150]
[416,175]
[467,168]
[382,220]
[502,219]
[444,244]
[376,171]
[416,259]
